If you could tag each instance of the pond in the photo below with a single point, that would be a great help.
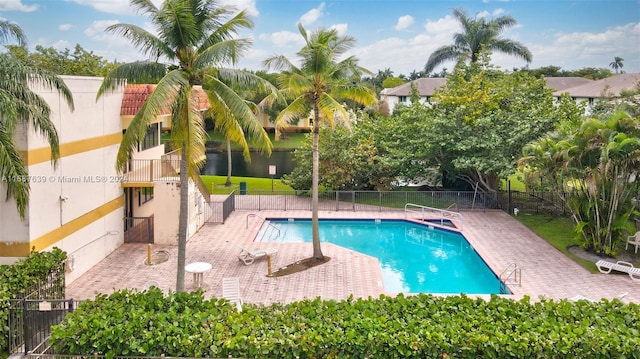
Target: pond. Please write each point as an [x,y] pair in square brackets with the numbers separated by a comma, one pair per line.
[259,167]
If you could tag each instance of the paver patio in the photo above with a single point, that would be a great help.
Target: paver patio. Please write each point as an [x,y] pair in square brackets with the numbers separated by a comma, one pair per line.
[497,237]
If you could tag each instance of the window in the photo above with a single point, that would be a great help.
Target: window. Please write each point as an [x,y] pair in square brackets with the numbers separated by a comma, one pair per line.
[151,138]
[403,99]
[145,195]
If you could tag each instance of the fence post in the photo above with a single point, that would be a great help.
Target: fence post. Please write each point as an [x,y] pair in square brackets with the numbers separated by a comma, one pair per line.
[25,326]
[509,196]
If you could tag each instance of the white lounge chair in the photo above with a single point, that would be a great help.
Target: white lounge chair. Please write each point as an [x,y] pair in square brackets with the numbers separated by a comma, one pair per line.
[231,291]
[620,266]
[248,256]
[582,297]
[634,241]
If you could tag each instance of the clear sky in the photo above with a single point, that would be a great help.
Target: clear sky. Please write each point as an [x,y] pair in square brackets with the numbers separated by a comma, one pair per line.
[395,34]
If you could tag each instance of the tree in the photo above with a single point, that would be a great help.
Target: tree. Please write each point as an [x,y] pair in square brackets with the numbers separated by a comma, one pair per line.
[391,82]
[598,164]
[237,129]
[477,35]
[20,105]
[474,131]
[316,86]
[350,159]
[616,64]
[196,37]
[78,63]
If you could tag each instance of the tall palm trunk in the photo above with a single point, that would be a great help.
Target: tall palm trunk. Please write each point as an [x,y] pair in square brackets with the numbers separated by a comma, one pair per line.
[228,183]
[183,219]
[315,225]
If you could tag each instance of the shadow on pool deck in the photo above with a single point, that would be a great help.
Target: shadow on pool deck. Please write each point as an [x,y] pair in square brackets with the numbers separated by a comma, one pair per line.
[497,237]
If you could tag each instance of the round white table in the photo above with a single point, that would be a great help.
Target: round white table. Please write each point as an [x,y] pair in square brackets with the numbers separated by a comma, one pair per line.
[198,269]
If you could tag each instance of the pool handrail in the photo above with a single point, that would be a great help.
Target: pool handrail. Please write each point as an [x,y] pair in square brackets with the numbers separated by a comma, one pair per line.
[264,220]
[443,212]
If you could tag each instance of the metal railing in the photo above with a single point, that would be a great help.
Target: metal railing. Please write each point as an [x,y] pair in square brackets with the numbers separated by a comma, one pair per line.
[363,200]
[37,316]
[151,170]
[51,286]
[442,214]
[512,274]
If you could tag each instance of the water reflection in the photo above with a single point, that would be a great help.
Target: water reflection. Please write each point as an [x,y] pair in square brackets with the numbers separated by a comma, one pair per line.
[259,167]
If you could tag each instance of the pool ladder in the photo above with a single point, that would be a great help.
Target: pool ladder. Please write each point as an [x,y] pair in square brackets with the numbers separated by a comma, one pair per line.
[510,275]
[264,221]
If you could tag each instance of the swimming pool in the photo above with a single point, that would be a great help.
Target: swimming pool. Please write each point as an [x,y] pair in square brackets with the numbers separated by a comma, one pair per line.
[415,258]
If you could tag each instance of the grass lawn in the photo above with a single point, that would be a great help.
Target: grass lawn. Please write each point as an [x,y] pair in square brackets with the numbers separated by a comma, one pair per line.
[215,184]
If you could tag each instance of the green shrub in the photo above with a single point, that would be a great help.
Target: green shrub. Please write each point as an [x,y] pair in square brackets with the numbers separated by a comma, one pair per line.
[421,326]
[18,277]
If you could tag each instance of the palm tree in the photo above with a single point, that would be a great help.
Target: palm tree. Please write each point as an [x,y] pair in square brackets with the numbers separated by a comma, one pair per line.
[617,64]
[20,105]
[600,160]
[236,129]
[317,85]
[196,37]
[478,35]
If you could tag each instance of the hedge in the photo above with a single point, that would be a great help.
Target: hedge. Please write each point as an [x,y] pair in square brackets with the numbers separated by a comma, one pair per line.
[130,323]
[18,277]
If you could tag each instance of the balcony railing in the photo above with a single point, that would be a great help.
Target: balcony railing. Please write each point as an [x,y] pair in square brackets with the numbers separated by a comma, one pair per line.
[142,171]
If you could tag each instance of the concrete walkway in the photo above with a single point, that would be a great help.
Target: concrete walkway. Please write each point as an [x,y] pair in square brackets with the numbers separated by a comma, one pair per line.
[497,237]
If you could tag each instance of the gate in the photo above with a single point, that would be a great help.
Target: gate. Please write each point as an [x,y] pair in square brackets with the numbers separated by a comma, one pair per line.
[34,318]
[138,229]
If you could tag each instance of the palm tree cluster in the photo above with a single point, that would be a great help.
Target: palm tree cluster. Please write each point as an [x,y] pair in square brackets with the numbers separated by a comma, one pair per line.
[21,106]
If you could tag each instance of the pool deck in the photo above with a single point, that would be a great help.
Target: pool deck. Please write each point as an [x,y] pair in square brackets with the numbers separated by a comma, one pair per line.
[497,237]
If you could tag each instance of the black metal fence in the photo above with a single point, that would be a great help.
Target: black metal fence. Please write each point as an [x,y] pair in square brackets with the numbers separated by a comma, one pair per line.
[35,319]
[52,287]
[533,202]
[364,200]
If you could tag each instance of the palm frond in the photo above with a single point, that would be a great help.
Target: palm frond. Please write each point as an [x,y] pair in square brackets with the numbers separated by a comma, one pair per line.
[330,110]
[234,116]
[149,44]
[444,53]
[134,72]
[13,169]
[164,96]
[10,30]
[221,53]
[227,30]
[144,6]
[297,109]
[188,128]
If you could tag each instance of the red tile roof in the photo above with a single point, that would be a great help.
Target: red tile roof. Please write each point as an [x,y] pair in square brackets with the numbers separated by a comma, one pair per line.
[136,94]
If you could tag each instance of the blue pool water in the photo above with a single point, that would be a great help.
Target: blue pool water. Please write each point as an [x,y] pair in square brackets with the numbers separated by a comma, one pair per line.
[415,258]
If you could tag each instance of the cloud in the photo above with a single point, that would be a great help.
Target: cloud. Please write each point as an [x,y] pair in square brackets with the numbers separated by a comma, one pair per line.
[283,39]
[312,15]
[341,29]
[109,6]
[96,29]
[61,45]
[16,5]
[404,22]
[64,27]
[248,5]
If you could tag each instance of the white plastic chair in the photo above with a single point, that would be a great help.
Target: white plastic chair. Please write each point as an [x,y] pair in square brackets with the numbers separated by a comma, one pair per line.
[231,291]
[634,241]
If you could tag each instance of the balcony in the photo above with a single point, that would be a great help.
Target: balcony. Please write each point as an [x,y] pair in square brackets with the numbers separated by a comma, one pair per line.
[142,173]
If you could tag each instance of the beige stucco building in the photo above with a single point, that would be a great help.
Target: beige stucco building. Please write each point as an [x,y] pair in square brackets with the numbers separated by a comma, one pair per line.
[83,205]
